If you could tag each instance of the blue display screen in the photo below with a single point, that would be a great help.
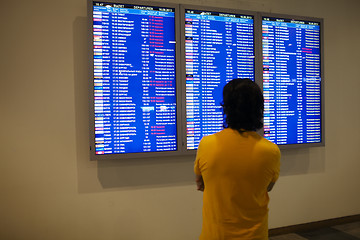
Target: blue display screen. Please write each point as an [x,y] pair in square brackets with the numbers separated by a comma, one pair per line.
[218,48]
[134,78]
[291,81]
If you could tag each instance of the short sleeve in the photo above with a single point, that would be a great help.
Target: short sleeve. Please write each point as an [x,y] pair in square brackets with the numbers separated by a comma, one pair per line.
[197,160]
[276,164]
[201,153]
[197,168]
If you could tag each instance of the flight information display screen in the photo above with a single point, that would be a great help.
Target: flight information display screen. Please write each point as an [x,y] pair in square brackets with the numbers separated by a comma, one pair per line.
[292,80]
[134,78]
[218,48]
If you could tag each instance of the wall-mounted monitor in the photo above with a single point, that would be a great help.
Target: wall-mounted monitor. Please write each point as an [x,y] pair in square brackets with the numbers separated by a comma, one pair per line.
[218,46]
[293,80]
[143,103]
[134,99]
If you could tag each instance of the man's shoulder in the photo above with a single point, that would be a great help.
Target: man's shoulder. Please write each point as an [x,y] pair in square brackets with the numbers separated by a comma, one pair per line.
[209,139]
[268,146]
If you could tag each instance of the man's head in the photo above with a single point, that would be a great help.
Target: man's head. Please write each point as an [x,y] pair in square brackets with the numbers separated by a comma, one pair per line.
[243,105]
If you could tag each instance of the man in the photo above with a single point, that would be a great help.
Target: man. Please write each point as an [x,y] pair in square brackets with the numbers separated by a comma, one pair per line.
[236,167]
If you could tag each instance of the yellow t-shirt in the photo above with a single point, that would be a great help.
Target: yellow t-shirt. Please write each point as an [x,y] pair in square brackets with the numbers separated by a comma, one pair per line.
[237,169]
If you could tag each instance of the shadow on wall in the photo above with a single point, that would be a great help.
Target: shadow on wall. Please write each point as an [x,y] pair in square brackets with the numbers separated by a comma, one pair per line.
[98,176]
[146,172]
[299,161]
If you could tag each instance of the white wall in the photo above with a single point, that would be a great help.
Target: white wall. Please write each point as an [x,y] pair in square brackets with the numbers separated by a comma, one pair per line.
[50,190]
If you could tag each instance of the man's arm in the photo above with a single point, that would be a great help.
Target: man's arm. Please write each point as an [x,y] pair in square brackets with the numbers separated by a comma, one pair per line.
[276,168]
[199,182]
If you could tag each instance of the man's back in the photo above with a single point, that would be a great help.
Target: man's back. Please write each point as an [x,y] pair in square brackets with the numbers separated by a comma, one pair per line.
[236,168]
